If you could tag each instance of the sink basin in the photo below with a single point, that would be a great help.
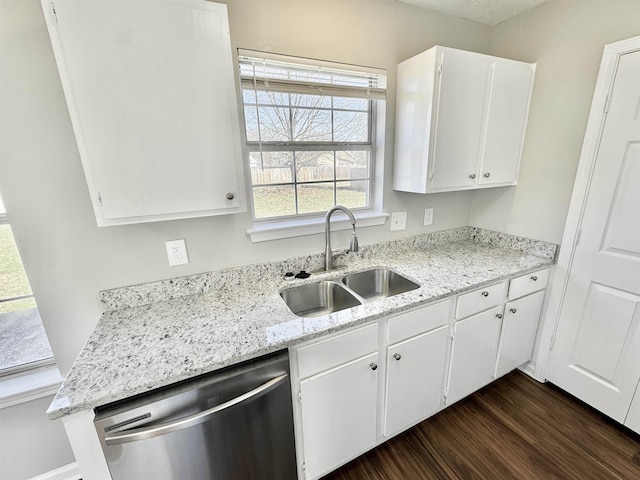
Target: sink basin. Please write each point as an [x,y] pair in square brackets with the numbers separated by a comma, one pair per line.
[378,283]
[319,298]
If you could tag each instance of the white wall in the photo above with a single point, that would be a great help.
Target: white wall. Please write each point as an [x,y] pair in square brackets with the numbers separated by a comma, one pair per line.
[31,444]
[565,38]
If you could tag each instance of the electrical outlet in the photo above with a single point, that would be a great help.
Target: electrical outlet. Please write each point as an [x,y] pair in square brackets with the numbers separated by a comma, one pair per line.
[428,216]
[398,221]
[177,252]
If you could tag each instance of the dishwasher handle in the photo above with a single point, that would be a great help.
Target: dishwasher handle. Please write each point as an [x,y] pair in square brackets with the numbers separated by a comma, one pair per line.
[143,433]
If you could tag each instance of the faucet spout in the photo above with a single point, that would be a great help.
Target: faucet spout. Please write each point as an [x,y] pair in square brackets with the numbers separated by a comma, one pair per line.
[353,247]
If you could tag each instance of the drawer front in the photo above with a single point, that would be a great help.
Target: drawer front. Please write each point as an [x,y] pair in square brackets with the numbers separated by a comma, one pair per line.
[410,324]
[337,350]
[529,283]
[481,299]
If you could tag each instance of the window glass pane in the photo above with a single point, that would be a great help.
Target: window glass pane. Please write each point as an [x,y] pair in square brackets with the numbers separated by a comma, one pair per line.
[314,166]
[275,125]
[273,98]
[251,123]
[315,197]
[13,281]
[352,164]
[22,337]
[313,101]
[249,97]
[346,103]
[350,126]
[274,201]
[311,125]
[271,167]
[352,194]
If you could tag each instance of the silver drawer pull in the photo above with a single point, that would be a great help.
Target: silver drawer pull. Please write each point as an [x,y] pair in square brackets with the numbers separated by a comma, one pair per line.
[534,278]
[485,294]
[373,366]
[397,356]
[487,175]
[499,315]
[472,176]
[513,310]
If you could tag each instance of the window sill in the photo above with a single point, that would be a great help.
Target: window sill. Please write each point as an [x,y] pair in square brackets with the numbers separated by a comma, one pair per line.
[262,232]
[24,387]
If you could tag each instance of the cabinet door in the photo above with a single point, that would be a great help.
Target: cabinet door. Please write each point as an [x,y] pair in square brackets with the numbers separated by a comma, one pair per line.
[339,414]
[473,356]
[152,99]
[508,105]
[460,107]
[519,328]
[415,371]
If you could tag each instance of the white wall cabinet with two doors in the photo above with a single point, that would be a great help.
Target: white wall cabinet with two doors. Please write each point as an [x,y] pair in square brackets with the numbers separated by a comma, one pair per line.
[152,98]
[460,120]
[354,390]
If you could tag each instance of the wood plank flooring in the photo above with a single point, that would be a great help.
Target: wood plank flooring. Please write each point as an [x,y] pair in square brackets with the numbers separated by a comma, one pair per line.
[515,428]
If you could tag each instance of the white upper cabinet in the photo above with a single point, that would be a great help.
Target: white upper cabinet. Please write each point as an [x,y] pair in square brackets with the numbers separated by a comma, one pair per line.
[460,120]
[151,94]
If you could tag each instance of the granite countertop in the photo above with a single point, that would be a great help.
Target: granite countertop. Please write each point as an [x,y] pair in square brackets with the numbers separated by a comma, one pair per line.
[156,334]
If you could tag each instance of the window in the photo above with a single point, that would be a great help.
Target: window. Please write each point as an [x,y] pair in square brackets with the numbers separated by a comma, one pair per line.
[23,341]
[310,134]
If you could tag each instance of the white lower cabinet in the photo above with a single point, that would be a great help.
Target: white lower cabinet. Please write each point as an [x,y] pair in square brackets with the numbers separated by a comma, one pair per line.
[633,416]
[416,361]
[473,354]
[519,328]
[339,409]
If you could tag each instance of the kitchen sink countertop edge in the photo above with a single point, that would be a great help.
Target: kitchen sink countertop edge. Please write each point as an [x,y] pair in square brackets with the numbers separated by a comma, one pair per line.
[157,334]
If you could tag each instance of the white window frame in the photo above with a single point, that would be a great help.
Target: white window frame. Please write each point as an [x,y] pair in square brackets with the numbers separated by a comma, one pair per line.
[307,223]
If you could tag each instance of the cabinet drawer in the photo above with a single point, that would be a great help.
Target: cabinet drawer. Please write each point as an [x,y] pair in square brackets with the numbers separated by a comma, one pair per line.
[529,283]
[419,321]
[337,350]
[481,299]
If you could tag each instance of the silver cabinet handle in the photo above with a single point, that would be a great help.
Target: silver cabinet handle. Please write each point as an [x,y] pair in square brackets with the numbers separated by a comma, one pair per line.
[485,294]
[487,175]
[230,196]
[472,176]
[513,310]
[373,366]
[143,433]
[534,278]
[397,356]
[499,315]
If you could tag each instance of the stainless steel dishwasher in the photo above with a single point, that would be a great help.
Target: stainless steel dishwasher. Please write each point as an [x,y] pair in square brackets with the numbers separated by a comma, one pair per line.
[236,423]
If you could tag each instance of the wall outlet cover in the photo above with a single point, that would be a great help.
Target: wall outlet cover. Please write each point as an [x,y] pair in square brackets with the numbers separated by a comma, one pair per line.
[428,216]
[177,252]
[398,221]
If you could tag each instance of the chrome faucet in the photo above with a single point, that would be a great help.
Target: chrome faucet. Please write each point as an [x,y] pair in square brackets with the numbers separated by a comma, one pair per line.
[353,247]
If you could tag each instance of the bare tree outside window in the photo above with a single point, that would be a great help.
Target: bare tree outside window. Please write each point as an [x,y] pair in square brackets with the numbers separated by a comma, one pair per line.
[307,152]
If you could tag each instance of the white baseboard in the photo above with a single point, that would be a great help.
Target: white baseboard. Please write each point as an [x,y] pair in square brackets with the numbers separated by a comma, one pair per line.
[68,472]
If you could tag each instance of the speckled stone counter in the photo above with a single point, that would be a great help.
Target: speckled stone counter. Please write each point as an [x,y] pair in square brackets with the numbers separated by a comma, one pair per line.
[159,333]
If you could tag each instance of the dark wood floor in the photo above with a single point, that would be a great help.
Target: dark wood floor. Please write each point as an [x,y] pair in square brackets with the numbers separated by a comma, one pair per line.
[516,428]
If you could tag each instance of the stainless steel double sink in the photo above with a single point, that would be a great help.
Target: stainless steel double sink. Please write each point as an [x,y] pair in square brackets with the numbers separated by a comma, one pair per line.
[328,296]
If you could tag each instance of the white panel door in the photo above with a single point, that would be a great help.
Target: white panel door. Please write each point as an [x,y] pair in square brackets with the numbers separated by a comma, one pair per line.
[633,417]
[460,109]
[415,371]
[596,355]
[509,91]
[152,98]
[339,409]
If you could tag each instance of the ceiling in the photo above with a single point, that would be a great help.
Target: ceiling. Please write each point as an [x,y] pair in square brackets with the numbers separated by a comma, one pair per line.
[489,12]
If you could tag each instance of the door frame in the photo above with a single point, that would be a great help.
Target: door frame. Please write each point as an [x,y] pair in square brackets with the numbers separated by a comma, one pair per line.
[586,165]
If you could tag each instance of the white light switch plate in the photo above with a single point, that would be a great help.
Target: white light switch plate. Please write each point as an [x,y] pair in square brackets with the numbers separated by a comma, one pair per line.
[428,216]
[177,252]
[398,221]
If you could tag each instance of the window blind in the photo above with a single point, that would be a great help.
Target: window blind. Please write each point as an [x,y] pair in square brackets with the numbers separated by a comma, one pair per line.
[277,73]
